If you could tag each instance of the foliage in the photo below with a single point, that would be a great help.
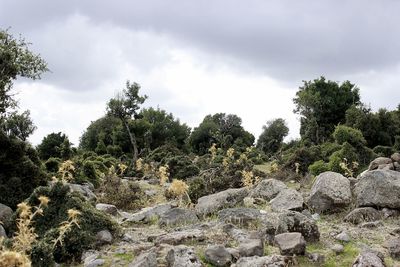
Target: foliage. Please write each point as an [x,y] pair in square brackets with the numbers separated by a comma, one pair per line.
[163,174]
[52,165]
[350,135]
[318,167]
[270,140]
[19,125]
[347,152]
[322,105]
[20,170]
[304,156]
[178,189]
[55,145]
[384,151]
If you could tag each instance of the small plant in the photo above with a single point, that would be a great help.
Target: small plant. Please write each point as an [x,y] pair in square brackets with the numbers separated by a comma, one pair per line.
[179,189]
[248,178]
[213,151]
[66,226]
[139,164]
[66,171]
[297,166]
[163,174]
[348,169]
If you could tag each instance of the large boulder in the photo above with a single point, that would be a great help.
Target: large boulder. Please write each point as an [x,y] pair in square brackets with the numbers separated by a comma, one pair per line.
[107,208]
[360,215]
[182,256]
[5,215]
[251,247]
[369,259]
[178,217]
[240,216]
[329,192]
[146,214]
[266,261]
[290,244]
[177,238]
[84,190]
[225,199]
[395,157]
[268,189]
[146,259]
[287,199]
[218,256]
[292,221]
[378,188]
[379,163]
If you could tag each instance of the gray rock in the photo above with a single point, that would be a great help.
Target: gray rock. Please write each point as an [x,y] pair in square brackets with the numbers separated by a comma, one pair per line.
[107,208]
[2,232]
[268,189]
[5,215]
[234,253]
[177,238]
[287,199]
[84,190]
[393,246]
[146,214]
[292,221]
[377,162]
[369,259]
[267,261]
[386,213]
[379,188]
[177,217]
[343,236]
[127,238]
[182,256]
[329,192]
[147,259]
[104,237]
[95,263]
[240,216]
[218,255]
[316,257]
[315,217]
[89,256]
[374,224]
[360,215]
[291,243]
[225,199]
[395,157]
[251,247]
[337,248]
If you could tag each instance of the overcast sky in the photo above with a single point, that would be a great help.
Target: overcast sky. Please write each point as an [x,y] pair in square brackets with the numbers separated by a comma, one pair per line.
[194,57]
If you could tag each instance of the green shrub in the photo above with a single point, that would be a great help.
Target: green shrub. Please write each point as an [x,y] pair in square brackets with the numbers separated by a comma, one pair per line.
[181,167]
[318,167]
[328,148]
[383,151]
[350,135]
[52,164]
[347,152]
[304,156]
[197,188]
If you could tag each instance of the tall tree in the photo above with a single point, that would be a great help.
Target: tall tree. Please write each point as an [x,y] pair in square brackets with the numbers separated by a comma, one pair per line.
[19,125]
[270,140]
[322,105]
[55,145]
[125,107]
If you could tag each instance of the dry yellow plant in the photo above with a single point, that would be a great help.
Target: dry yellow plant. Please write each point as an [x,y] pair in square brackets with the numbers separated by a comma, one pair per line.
[179,189]
[66,171]
[163,174]
[213,150]
[247,178]
[67,225]
[139,165]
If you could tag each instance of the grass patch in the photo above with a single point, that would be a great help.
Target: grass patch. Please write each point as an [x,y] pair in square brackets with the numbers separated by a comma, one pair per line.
[264,168]
[124,256]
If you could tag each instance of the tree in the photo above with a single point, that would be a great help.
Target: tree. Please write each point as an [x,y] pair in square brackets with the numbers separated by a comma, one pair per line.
[125,107]
[19,125]
[322,105]
[55,145]
[270,140]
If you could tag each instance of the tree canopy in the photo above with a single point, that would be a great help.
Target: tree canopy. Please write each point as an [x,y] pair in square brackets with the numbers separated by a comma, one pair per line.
[271,139]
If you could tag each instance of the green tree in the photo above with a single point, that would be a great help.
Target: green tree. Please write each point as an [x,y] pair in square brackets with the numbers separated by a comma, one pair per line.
[322,105]
[19,125]
[55,145]
[270,140]
[125,107]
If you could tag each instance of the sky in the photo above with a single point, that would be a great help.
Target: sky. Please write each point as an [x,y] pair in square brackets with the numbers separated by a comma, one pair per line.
[195,57]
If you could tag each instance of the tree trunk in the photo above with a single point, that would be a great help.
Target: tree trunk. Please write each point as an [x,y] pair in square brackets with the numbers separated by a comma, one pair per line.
[132,139]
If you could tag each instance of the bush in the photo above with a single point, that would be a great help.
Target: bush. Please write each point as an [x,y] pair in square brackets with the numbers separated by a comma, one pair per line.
[350,135]
[383,151]
[304,156]
[197,188]
[52,164]
[318,167]
[181,167]
[347,152]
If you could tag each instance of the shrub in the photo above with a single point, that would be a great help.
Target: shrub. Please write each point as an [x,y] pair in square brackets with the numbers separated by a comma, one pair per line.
[350,135]
[383,151]
[197,188]
[181,167]
[318,167]
[52,164]
[347,152]
[302,157]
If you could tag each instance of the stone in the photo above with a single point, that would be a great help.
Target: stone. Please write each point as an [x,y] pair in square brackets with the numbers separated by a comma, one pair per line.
[240,216]
[337,248]
[316,257]
[5,215]
[395,157]
[292,221]
[268,189]
[377,162]
[374,224]
[343,236]
[393,246]
[234,253]
[290,244]
[251,247]
[84,190]
[182,256]
[360,215]
[146,214]
[95,263]
[104,237]
[177,217]
[386,213]
[218,255]
[369,259]
[329,192]
[2,232]
[287,199]
[378,188]
[177,238]
[225,199]
[266,261]
[107,208]
[147,259]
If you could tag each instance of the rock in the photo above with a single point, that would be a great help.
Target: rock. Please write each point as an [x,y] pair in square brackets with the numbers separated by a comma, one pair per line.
[343,236]
[337,248]
[268,189]
[95,263]
[377,162]
[234,253]
[374,224]
[386,213]
[316,257]
[360,215]
[89,256]
[287,199]
[147,259]
[315,217]
[330,191]
[84,190]
[251,247]
[395,157]
[177,217]
[127,238]
[146,214]
[393,246]
[2,232]
[177,238]
[218,255]
[396,166]
[291,244]
[240,216]
[225,199]
[182,256]
[107,208]
[5,215]
[292,221]
[378,188]
[369,259]
[307,213]
[267,261]
[104,237]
